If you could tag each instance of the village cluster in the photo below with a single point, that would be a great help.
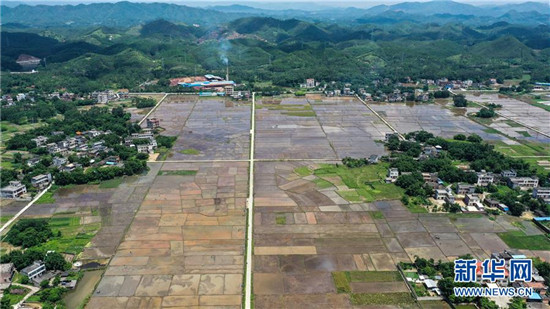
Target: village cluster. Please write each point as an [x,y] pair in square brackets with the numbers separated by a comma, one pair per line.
[466,195]
[87,144]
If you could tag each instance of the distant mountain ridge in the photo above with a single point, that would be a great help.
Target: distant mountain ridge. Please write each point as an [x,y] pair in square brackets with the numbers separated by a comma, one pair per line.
[111,14]
[458,8]
[128,14]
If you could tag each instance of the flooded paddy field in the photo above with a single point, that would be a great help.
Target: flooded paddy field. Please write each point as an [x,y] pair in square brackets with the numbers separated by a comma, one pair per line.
[287,128]
[207,128]
[351,128]
[432,118]
[516,113]
[185,246]
[307,128]
[173,113]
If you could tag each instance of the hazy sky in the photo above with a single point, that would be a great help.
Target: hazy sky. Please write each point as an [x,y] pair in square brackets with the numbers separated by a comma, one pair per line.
[320,2]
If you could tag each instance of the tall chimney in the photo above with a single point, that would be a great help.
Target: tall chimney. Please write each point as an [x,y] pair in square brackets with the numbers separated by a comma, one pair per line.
[227,72]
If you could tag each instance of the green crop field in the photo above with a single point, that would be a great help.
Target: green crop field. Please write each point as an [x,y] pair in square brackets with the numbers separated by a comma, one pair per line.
[518,240]
[74,236]
[342,279]
[524,149]
[366,183]
[322,184]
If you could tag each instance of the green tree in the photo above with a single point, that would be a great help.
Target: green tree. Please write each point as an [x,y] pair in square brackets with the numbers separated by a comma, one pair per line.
[474,138]
[55,261]
[460,101]
[24,279]
[485,113]
[442,94]
[516,209]
[17,158]
[517,303]
[5,303]
[485,303]
[56,281]
[29,232]
[459,137]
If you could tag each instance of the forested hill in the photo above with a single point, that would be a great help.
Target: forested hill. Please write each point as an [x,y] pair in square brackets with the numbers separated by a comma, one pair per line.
[281,51]
[292,30]
[120,14]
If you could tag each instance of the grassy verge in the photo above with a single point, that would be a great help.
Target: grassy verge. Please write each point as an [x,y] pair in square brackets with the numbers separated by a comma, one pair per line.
[463,215]
[543,106]
[491,131]
[111,183]
[163,153]
[303,171]
[512,123]
[435,304]
[46,198]
[4,219]
[417,209]
[377,214]
[484,121]
[190,151]
[177,173]
[518,240]
[374,276]
[386,299]
[415,205]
